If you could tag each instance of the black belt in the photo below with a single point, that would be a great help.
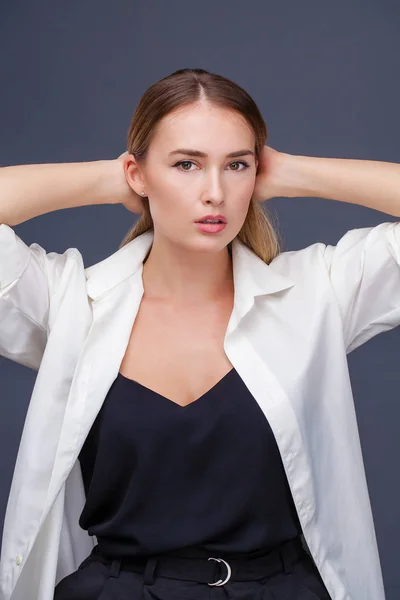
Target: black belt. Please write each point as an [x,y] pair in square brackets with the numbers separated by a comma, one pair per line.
[213,570]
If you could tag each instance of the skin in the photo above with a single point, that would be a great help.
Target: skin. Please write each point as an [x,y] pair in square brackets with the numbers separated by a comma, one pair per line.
[186,266]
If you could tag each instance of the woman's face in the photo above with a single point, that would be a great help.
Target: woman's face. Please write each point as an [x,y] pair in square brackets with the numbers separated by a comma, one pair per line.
[182,188]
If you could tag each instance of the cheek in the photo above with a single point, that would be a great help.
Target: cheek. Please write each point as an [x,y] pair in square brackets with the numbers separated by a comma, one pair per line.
[168,191]
[245,184]
[243,191]
[242,205]
[166,204]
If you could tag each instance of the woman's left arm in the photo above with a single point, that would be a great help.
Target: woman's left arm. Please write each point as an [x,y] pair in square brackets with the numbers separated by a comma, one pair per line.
[374,184]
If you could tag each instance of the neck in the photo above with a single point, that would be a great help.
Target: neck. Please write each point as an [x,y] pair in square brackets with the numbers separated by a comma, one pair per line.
[175,275]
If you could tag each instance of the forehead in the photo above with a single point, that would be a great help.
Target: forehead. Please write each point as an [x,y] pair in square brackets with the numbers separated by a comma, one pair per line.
[204,127]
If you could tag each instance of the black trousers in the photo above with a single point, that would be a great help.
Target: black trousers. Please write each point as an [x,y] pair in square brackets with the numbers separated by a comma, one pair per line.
[291,575]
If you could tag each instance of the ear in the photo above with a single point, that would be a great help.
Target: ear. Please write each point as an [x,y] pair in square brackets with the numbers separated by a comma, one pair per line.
[134,174]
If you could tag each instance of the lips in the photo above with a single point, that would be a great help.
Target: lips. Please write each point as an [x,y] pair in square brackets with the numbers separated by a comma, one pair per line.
[219,218]
[211,227]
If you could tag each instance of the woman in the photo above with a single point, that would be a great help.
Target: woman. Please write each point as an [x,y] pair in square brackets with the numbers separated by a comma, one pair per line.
[193,410]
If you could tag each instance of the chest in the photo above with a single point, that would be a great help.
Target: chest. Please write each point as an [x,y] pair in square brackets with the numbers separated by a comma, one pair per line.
[178,352]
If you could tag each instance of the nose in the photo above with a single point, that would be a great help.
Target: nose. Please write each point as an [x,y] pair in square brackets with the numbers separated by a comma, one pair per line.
[214,190]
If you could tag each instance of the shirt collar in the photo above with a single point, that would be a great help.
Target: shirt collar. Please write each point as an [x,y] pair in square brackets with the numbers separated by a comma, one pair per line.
[252,276]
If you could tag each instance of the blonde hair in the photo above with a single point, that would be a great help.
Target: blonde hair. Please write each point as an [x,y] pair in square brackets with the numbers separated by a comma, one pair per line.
[183,88]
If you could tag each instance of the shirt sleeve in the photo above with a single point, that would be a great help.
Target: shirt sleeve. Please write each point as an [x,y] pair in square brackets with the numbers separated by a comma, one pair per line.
[28,277]
[364,270]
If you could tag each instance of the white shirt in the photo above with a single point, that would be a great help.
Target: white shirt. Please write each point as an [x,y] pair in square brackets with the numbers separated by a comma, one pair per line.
[292,325]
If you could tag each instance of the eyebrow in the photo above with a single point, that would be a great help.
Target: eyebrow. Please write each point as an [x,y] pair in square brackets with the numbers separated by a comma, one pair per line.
[190,152]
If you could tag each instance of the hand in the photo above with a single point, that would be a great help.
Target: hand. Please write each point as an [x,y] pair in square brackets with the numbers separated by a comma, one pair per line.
[131,200]
[270,179]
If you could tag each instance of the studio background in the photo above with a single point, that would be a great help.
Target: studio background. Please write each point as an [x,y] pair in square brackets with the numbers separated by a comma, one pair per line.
[326,79]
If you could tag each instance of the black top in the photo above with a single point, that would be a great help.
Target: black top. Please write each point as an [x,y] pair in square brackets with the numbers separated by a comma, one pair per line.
[161,478]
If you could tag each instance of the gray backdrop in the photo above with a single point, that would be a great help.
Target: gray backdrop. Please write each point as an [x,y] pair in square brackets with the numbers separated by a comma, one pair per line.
[326,78]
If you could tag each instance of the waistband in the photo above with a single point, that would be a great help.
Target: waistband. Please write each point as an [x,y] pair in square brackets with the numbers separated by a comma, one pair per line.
[215,570]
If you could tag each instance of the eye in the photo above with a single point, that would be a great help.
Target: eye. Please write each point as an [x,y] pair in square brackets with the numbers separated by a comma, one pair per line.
[190,162]
[240,162]
[184,162]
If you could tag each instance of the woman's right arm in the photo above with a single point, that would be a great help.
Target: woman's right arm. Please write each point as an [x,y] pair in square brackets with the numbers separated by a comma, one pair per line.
[27,191]
[29,275]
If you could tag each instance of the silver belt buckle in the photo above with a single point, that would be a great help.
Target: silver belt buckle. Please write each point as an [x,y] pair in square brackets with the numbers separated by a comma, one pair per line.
[222,581]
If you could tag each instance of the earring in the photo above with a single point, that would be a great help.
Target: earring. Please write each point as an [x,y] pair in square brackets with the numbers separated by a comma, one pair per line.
[142,193]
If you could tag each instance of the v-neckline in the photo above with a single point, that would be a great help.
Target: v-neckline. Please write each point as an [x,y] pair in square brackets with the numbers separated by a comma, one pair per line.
[179,406]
